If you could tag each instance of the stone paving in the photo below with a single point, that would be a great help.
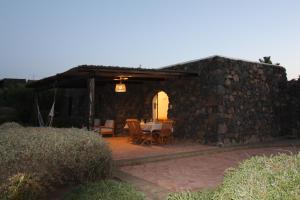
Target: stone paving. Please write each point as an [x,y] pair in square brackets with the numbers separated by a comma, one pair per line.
[122,149]
[194,173]
[183,166]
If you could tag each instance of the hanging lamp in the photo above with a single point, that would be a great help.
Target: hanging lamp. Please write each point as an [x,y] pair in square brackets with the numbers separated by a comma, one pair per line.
[120,87]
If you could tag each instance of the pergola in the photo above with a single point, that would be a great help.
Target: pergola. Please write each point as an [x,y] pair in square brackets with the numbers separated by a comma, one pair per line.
[89,76]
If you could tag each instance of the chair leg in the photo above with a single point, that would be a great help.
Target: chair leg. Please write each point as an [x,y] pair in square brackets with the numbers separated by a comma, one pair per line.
[151,139]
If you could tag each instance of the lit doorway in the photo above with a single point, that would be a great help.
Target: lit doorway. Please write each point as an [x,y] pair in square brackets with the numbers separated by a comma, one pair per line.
[160,106]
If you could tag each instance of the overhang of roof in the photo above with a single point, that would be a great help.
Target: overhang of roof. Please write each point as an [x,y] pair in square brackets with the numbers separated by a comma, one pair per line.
[77,77]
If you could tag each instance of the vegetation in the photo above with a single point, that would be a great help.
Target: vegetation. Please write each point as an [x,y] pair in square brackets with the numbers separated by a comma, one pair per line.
[10,107]
[103,190]
[12,110]
[32,160]
[259,178]
[267,60]
[277,177]
[201,195]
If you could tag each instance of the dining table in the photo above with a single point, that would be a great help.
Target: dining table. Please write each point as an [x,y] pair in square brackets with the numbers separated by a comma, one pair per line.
[151,126]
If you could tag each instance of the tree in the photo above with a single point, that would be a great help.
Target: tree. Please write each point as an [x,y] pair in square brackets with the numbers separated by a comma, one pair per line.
[267,59]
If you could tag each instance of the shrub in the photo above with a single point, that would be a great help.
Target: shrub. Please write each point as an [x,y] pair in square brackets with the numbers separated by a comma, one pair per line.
[22,186]
[43,157]
[260,177]
[111,190]
[201,195]
[8,125]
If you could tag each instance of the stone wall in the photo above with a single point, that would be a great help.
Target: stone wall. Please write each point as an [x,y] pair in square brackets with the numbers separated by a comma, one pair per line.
[120,106]
[71,108]
[251,102]
[291,113]
[185,105]
[239,101]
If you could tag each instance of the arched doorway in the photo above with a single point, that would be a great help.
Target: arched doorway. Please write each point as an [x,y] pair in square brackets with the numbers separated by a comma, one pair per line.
[160,106]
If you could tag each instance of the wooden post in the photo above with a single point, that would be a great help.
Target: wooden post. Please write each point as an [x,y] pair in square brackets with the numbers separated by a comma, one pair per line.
[91,104]
[35,97]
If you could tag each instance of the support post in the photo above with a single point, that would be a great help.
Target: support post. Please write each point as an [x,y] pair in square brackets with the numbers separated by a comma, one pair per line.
[35,100]
[91,104]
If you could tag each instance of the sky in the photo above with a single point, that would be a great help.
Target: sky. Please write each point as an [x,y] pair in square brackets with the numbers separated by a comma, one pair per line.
[40,38]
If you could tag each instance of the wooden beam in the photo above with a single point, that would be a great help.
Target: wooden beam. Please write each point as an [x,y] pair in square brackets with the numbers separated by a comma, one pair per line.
[91,100]
[107,74]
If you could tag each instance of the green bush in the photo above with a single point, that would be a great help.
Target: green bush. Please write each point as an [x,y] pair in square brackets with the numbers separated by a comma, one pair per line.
[22,186]
[40,158]
[258,178]
[103,190]
[8,125]
[201,195]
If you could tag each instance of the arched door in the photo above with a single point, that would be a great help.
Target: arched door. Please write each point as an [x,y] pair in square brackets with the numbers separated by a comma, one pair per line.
[160,106]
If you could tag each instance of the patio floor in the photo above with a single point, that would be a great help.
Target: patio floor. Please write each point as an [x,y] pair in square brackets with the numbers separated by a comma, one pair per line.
[194,173]
[190,170]
[123,149]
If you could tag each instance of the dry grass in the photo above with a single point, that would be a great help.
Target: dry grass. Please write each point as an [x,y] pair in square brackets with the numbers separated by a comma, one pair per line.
[32,160]
[110,190]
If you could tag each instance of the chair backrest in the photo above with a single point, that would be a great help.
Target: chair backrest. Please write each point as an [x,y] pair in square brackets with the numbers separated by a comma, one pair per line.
[169,121]
[167,128]
[97,122]
[109,123]
[134,126]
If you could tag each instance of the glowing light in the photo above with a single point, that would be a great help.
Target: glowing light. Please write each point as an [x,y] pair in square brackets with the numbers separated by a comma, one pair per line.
[120,87]
[160,106]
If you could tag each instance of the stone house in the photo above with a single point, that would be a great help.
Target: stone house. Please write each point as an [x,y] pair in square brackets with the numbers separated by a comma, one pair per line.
[215,99]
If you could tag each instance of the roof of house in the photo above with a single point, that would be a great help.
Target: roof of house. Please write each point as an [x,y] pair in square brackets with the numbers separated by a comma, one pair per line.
[217,56]
[77,76]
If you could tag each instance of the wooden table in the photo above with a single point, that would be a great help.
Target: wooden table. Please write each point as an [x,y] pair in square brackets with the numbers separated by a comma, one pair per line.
[151,126]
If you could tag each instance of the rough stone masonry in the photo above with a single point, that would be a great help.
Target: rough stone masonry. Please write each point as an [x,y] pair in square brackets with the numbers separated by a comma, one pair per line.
[230,101]
[237,102]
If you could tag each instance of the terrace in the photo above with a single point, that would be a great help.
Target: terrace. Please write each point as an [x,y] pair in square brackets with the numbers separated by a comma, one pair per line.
[158,170]
[94,93]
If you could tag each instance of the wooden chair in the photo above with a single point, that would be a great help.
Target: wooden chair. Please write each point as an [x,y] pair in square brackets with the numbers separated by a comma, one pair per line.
[166,132]
[136,134]
[97,125]
[108,128]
